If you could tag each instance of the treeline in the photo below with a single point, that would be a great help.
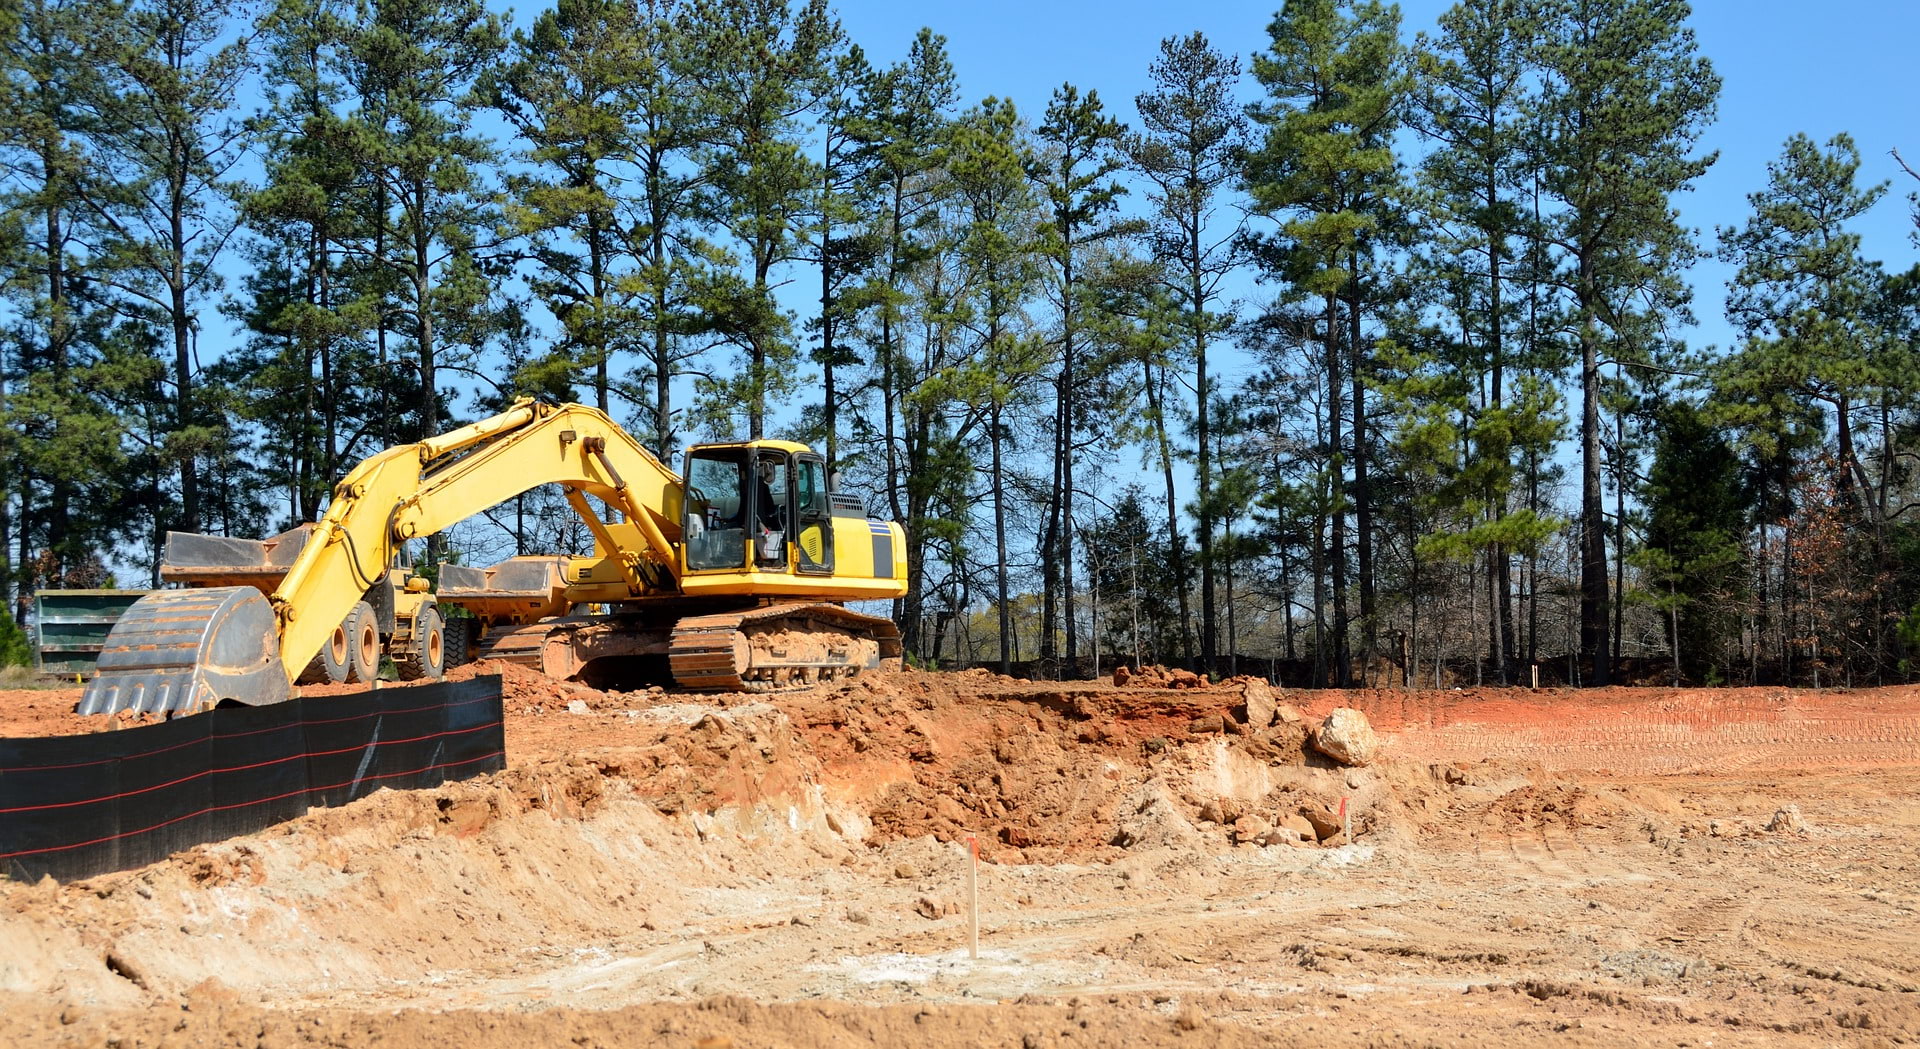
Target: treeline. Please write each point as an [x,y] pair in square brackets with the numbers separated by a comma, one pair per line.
[1460,436]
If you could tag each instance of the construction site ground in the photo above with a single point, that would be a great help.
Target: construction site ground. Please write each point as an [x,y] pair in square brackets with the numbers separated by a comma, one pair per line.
[1717,868]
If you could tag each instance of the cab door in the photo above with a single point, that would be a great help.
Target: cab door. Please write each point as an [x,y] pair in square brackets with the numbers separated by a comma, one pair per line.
[714,522]
[813,535]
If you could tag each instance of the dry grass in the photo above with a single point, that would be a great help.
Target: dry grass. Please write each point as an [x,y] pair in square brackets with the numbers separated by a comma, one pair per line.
[28,677]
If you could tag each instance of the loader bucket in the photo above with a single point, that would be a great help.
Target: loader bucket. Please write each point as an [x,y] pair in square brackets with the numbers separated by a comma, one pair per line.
[217,560]
[184,651]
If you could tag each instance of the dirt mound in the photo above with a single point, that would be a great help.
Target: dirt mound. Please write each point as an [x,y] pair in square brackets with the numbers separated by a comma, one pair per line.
[1039,773]
[556,848]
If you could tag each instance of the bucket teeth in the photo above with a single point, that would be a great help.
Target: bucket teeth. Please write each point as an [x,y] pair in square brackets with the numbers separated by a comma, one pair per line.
[182,651]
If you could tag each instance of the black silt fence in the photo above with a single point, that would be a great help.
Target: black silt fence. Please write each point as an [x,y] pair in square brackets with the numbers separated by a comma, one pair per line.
[76,806]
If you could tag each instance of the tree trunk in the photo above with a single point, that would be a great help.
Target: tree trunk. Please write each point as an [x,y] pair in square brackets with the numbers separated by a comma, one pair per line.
[662,335]
[912,605]
[1050,552]
[1619,528]
[1155,405]
[757,356]
[1500,566]
[183,364]
[1000,547]
[889,407]
[1209,623]
[829,404]
[329,403]
[1595,644]
[596,270]
[1336,498]
[1362,494]
[59,331]
[1065,425]
[1233,629]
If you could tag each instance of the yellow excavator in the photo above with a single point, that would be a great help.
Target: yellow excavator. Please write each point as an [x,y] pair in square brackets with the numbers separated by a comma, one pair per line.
[733,577]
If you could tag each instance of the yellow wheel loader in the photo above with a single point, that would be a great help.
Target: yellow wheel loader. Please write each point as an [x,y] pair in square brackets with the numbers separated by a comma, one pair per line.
[734,577]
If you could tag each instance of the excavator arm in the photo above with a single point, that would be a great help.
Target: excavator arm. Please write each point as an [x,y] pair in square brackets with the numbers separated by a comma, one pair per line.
[189,649]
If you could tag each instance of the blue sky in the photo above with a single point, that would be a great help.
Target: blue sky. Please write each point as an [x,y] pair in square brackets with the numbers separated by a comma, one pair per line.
[1841,65]
[1844,69]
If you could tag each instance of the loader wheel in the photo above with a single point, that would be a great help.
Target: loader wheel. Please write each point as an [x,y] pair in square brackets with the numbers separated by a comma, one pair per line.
[425,655]
[334,663]
[459,632]
[362,631]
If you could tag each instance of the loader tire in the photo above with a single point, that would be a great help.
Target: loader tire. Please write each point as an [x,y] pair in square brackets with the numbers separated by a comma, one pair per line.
[425,654]
[362,629]
[459,631]
[334,662]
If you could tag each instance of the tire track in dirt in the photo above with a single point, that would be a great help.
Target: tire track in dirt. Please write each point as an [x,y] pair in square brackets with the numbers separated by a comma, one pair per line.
[1709,734]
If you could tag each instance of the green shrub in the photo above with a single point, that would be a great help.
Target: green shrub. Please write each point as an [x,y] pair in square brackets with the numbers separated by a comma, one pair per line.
[16,650]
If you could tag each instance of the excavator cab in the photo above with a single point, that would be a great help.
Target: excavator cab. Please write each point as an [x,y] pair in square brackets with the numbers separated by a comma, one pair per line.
[757,507]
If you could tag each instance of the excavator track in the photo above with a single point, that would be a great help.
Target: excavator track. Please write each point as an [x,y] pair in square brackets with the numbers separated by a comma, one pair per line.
[780,648]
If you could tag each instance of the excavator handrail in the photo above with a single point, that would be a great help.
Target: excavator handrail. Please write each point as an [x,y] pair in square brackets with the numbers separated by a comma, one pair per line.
[411,491]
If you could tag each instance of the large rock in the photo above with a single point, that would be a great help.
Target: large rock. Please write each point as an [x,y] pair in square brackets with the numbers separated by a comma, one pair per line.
[1261,703]
[1250,828]
[1178,678]
[1297,827]
[1787,819]
[1347,738]
[1325,823]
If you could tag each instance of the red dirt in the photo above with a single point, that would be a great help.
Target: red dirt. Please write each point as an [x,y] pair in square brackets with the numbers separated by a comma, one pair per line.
[1619,866]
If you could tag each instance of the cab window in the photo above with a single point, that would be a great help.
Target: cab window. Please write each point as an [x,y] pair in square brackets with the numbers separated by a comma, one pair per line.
[716,527]
[813,489]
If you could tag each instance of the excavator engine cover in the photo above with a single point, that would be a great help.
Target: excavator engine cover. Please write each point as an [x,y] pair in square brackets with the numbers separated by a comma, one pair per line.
[184,651]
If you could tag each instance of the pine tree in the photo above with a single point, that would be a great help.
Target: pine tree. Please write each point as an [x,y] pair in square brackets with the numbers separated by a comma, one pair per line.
[307,355]
[165,143]
[1189,150]
[669,123]
[432,227]
[1074,166]
[1287,409]
[1323,172]
[759,67]
[989,162]
[1692,557]
[1129,562]
[1624,96]
[568,92]
[905,114]
[1471,95]
[1807,305]
[60,438]
[1802,296]
[846,242]
[1136,322]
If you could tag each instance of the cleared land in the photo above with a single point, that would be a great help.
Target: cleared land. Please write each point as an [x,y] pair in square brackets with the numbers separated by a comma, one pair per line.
[1629,866]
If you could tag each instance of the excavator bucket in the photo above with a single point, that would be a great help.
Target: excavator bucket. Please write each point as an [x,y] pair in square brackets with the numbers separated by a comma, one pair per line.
[184,651]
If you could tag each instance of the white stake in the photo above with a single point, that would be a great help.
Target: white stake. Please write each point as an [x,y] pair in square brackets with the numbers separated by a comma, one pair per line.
[973,896]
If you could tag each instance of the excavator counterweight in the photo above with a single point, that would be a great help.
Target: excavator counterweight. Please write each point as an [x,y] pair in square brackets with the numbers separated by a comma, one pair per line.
[735,577]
